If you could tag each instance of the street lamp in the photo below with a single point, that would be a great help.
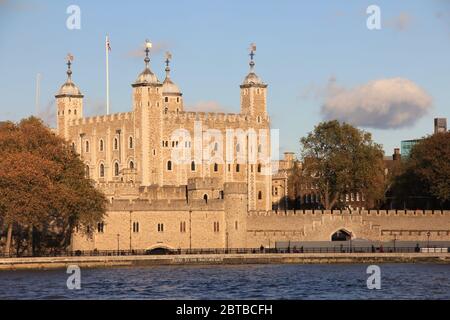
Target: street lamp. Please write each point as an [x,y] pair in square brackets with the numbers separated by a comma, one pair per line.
[351,236]
[395,239]
[118,243]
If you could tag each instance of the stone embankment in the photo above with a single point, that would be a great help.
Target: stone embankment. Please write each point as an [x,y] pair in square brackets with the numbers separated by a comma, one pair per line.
[211,259]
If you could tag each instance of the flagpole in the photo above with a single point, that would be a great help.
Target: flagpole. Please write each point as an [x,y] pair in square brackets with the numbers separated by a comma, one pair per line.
[107,74]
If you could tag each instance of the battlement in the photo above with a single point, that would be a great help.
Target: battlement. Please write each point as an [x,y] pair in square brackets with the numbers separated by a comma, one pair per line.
[122,188]
[165,205]
[363,213]
[163,192]
[203,183]
[208,116]
[102,119]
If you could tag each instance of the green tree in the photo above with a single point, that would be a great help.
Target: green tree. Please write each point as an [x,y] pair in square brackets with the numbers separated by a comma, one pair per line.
[424,181]
[340,159]
[43,188]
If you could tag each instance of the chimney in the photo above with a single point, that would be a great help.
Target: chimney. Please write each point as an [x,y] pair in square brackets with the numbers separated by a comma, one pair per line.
[396,156]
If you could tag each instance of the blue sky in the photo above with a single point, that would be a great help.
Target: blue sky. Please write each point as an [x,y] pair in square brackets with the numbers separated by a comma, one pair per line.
[300,47]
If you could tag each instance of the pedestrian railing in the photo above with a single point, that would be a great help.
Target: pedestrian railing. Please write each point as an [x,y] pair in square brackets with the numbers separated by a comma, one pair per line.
[261,250]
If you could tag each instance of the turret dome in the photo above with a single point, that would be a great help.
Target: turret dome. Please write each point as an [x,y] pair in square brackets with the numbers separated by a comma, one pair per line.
[252,78]
[169,87]
[69,88]
[146,77]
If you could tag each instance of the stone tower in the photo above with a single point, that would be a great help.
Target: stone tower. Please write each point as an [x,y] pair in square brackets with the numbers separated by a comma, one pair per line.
[148,109]
[173,98]
[253,105]
[69,102]
[253,91]
[235,195]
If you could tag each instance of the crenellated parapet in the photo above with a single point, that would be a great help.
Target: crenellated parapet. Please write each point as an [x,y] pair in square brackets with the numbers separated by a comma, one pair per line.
[213,117]
[165,205]
[362,213]
[102,119]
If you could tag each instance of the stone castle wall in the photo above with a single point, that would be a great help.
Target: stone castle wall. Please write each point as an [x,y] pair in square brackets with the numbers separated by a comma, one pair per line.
[317,225]
[225,223]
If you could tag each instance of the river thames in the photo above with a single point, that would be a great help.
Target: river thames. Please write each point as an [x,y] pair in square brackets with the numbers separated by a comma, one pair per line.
[336,281]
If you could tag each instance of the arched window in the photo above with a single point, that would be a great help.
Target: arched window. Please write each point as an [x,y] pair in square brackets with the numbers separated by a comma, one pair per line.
[116,144]
[238,167]
[166,110]
[216,167]
[86,171]
[259,167]
[135,227]
[116,169]
[166,99]
[130,143]
[102,146]
[193,166]
[169,165]
[75,111]
[259,195]
[70,111]
[102,170]
[87,146]
[238,147]
[205,197]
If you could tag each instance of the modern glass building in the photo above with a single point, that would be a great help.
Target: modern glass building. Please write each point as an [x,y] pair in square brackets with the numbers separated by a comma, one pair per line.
[406,146]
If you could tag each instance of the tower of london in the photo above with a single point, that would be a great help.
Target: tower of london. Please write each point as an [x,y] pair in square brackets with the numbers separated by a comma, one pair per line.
[179,179]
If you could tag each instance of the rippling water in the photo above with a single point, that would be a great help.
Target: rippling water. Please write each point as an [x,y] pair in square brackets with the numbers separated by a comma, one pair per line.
[337,281]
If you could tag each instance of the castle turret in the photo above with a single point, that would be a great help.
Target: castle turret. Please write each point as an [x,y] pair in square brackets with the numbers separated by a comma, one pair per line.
[253,91]
[235,195]
[173,100]
[69,102]
[148,106]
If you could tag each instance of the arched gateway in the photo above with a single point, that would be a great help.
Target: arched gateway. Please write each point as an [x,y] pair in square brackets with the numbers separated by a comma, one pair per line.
[341,235]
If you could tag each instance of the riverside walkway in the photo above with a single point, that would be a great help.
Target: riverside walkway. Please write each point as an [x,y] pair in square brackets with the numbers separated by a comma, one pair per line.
[39,263]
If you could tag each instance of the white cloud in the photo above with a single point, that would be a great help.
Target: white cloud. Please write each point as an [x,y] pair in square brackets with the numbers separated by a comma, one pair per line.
[383,104]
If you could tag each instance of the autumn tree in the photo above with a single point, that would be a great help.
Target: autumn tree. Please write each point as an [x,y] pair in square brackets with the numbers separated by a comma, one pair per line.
[43,188]
[340,159]
[424,181]
[294,182]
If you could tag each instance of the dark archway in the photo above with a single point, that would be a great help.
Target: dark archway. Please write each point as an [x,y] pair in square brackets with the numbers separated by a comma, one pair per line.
[341,235]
